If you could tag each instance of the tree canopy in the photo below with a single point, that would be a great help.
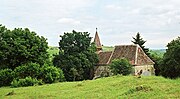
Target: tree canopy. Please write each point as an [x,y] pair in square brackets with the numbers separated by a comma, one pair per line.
[76,56]
[170,65]
[20,46]
[120,66]
[138,40]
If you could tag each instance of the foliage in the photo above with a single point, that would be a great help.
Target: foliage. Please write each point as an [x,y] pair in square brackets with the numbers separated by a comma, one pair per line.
[21,46]
[138,40]
[29,69]
[158,52]
[170,66]
[76,56]
[157,60]
[50,74]
[52,52]
[115,87]
[6,77]
[120,66]
[28,81]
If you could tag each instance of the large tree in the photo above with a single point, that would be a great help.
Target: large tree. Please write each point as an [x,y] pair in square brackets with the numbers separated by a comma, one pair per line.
[20,46]
[138,40]
[170,66]
[76,56]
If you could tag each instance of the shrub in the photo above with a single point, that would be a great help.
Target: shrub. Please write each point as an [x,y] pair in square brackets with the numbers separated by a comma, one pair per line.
[28,81]
[6,77]
[30,69]
[50,74]
[121,66]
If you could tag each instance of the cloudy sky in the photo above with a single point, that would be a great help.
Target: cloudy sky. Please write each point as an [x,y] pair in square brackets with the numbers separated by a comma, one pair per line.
[158,21]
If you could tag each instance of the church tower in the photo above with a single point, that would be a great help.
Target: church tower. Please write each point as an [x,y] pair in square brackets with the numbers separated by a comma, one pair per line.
[97,42]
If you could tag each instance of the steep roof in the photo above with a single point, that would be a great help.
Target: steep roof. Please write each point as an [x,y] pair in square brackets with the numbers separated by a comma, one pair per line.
[124,51]
[104,57]
[133,53]
[97,40]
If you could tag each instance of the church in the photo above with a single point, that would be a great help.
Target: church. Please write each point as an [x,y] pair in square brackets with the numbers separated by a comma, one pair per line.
[134,53]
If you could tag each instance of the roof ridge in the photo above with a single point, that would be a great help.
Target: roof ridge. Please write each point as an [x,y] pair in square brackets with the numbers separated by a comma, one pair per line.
[112,52]
[145,53]
[136,55]
[126,45]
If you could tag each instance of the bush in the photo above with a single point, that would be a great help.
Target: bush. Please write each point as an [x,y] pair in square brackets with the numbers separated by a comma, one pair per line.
[30,69]
[121,66]
[28,81]
[6,77]
[50,74]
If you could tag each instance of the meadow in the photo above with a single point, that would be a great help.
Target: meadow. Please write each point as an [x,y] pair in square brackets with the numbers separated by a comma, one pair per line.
[152,87]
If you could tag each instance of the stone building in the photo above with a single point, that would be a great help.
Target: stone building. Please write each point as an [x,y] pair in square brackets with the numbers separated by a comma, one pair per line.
[133,53]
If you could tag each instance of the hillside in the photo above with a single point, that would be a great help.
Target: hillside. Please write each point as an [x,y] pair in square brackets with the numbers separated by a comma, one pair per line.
[103,88]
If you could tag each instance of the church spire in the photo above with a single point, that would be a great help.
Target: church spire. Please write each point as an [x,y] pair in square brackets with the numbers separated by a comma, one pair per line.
[97,42]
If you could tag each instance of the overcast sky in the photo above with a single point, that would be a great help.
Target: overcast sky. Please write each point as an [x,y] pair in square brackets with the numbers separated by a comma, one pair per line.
[158,21]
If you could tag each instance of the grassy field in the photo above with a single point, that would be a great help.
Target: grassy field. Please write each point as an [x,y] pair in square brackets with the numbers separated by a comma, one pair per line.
[104,88]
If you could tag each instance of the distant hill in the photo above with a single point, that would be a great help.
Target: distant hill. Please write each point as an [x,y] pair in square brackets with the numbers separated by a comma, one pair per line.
[115,87]
[160,52]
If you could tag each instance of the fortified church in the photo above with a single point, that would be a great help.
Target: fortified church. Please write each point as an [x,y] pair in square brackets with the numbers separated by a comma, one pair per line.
[134,53]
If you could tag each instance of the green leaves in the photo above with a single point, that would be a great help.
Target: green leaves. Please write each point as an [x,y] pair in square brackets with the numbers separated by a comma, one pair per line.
[170,66]
[20,46]
[77,55]
[121,66]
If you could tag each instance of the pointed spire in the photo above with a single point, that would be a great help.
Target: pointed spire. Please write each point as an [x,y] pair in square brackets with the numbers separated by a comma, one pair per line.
[97,41]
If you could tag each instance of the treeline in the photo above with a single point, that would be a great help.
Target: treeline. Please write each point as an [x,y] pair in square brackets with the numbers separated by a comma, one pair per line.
[24,60]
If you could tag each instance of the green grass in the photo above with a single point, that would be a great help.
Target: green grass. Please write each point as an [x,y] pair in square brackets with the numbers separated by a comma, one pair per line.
[107,48]
[115,87]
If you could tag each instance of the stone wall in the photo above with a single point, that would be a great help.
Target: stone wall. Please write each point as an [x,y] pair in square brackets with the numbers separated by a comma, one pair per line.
[101,71]
[147,70]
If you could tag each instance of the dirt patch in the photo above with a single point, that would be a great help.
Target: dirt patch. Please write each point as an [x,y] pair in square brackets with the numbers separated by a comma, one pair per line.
[142,88]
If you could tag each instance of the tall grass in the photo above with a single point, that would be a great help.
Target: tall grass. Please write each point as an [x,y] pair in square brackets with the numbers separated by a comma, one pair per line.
[104,88]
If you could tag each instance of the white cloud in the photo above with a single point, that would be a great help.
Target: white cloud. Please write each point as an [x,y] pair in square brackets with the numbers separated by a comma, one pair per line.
[68,21]
[117,20]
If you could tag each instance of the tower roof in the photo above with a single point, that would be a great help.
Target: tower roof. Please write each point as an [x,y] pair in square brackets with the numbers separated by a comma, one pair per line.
[97,40]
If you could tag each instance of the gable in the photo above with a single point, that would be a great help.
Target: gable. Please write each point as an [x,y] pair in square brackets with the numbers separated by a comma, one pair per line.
[142,58]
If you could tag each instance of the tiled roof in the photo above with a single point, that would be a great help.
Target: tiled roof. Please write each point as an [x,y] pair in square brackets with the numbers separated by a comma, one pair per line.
[133,53]
[142,58]
[124,51]
[104,57]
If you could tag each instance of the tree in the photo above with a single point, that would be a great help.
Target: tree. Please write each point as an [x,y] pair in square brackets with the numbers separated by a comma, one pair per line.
[157,60]
[21,46]
[138,40]
[170,65]
[120,66]
[76,56]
